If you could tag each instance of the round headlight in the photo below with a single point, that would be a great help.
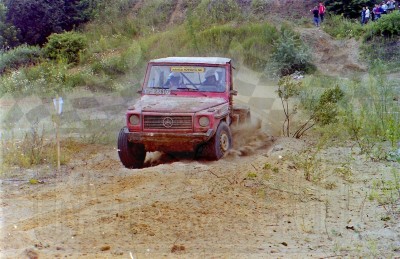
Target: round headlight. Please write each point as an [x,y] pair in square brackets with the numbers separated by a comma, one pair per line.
[204,121]
[134,119]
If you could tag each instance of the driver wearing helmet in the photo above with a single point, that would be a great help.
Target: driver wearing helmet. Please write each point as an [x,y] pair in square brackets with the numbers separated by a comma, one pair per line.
[211,78]
[173,80]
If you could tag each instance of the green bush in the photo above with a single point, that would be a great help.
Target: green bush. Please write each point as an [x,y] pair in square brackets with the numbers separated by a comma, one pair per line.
[289,55]
[387,26]
[320,107]
[66,46]
[21,56]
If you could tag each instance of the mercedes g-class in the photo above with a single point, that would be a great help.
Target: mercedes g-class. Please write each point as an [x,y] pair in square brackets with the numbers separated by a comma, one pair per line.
[186,105]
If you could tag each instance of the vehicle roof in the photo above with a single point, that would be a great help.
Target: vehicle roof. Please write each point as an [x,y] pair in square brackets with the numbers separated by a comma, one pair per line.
[202,60]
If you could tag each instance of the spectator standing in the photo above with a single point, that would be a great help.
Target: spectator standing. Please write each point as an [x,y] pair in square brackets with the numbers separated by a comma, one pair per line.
[390,5]
[384,8]
[315,13]
[377,12]
[321,11]
[367,14]
[363,16]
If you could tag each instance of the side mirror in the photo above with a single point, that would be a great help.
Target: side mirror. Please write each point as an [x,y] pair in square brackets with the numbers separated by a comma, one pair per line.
[233,92]
[139,91]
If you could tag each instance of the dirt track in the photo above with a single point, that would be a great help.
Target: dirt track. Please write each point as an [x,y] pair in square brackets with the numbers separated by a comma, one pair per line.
[253,203]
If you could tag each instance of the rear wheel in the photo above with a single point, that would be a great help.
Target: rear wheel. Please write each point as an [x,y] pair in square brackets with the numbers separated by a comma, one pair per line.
[132,155]
[220,143]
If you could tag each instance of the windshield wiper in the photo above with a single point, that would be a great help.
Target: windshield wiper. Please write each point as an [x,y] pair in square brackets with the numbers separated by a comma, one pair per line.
[187,88]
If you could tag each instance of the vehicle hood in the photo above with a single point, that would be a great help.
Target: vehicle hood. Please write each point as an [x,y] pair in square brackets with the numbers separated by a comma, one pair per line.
[178,104]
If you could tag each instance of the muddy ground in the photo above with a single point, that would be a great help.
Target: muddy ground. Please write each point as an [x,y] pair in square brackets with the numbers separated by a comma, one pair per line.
[254,203]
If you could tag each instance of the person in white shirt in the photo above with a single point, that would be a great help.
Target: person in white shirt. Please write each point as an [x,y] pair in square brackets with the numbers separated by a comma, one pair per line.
[367,15]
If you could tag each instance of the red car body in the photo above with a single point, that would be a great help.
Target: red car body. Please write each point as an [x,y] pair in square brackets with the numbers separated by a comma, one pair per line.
[183,112]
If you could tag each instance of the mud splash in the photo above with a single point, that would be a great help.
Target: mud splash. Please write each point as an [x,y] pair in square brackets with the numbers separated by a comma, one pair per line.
[248,139]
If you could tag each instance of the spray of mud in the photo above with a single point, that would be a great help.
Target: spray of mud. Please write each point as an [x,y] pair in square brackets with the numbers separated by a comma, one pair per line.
[248,139]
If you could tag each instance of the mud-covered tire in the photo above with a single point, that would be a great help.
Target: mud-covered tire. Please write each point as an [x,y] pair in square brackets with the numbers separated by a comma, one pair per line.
[220,143]
[132,155]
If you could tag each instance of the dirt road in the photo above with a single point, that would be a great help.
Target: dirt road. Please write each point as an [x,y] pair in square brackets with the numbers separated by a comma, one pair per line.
[254,203]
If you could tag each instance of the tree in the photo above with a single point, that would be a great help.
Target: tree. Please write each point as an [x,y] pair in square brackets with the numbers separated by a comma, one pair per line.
[77,12]
[37,19]
[349,8]
[8,32]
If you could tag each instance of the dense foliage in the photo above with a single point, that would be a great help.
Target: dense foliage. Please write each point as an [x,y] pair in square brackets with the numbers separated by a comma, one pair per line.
[387,26]
[35,20]
[8,32]
[349,8]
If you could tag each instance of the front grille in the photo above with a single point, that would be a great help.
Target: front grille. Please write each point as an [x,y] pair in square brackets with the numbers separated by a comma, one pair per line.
[167,122]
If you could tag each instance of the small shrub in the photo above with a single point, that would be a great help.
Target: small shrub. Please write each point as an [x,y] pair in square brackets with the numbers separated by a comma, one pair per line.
[66,46]
[287,89]
[251,175]
[310,162]
[290,55]
[387,192]
[21,56]
[322,110]
[267,166]
[26,152]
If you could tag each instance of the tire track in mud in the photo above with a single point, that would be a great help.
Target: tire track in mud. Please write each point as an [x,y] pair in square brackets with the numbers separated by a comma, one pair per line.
[79,196]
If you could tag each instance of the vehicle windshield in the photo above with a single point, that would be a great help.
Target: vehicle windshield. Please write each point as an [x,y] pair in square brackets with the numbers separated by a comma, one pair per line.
[185,78]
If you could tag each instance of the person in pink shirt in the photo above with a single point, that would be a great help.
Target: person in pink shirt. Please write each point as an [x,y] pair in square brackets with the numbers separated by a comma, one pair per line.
[321,11]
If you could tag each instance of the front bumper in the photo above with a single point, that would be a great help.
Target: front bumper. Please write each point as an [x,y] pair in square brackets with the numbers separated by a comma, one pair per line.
[169,142]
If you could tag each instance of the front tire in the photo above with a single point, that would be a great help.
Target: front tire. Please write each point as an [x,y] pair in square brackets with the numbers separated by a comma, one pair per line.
[220,143]
[132,155]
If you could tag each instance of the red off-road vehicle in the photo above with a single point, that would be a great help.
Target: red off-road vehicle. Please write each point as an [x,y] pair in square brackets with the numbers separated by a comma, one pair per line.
[185,106]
